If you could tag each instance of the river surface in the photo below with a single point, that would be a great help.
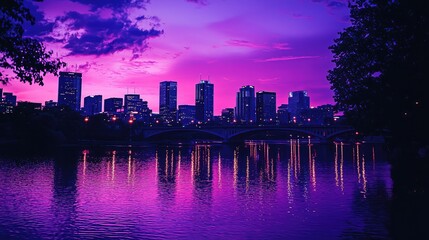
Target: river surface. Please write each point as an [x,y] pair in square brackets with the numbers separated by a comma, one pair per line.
[253,190]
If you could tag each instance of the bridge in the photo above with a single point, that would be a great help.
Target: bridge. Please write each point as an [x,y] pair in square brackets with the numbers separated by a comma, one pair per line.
[227,133]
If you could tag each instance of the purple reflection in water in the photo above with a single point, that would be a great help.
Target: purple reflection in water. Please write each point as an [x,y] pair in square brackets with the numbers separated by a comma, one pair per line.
[255,190]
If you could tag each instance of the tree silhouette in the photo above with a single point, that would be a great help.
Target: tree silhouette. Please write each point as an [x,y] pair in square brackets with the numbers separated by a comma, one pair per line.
[381,68]
[22,57]
[378,83]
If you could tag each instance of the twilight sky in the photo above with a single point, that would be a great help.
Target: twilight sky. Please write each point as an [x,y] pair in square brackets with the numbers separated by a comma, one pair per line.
[130,46]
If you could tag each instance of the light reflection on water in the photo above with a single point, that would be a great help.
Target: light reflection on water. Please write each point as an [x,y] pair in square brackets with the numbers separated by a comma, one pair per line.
[256,190]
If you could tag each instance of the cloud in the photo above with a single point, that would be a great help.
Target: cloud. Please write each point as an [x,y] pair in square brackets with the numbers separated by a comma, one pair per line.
[244,43]
[94,32]
[248,44]
[117,5]
[200,2]
[89,34]
[281,46]
[264,80]
[285,58]
[84,67]
[41,27]
[333,4]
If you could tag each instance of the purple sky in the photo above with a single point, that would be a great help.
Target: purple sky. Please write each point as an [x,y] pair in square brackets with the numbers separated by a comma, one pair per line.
[130,46]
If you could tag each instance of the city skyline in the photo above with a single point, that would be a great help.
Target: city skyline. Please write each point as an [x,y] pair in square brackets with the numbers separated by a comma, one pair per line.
[284,50]
[70,87]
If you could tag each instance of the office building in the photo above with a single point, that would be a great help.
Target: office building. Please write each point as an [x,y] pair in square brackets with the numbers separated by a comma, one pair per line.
[321,115]
[30,106]
[283,114]
[227,115]
[298,101]
[50,104]
[265,107]
[168,101]
[92,105]
[69,90]
[204,102]
[186,114]
[132,103]
[113,105]
[245,110]
[8,103]
[136,108]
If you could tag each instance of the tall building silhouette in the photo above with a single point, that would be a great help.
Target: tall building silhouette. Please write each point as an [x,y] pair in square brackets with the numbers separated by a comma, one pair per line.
[168,101]
[265,107]
[298,101]
[113,105]
[69,90]
[245,110]
[92,104]
[204,94]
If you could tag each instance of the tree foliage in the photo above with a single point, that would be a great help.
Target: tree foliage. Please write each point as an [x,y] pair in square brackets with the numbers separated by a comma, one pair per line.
[22,57]
[381,68]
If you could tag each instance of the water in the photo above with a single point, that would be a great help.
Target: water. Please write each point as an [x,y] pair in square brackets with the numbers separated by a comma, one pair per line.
[255,190]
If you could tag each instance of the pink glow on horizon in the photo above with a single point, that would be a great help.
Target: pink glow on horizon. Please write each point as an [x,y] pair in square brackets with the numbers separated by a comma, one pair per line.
[231,43]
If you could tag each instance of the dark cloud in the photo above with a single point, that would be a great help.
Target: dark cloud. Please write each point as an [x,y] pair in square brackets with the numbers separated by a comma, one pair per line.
[84,67]
[116,5]
[140,18]
[201,2]
[92,35]
[41,26]
[333,4]
[336,4]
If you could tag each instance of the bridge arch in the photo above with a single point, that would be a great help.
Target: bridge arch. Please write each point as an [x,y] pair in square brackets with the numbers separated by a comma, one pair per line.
[275,130]
[341,132]
[170,132]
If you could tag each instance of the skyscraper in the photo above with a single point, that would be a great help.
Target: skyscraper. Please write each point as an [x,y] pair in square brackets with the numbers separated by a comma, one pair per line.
[69,90]
[297,102]
[168,101]
[204,94]
[112,105]
[245,109]
[92,104]
[265,107]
